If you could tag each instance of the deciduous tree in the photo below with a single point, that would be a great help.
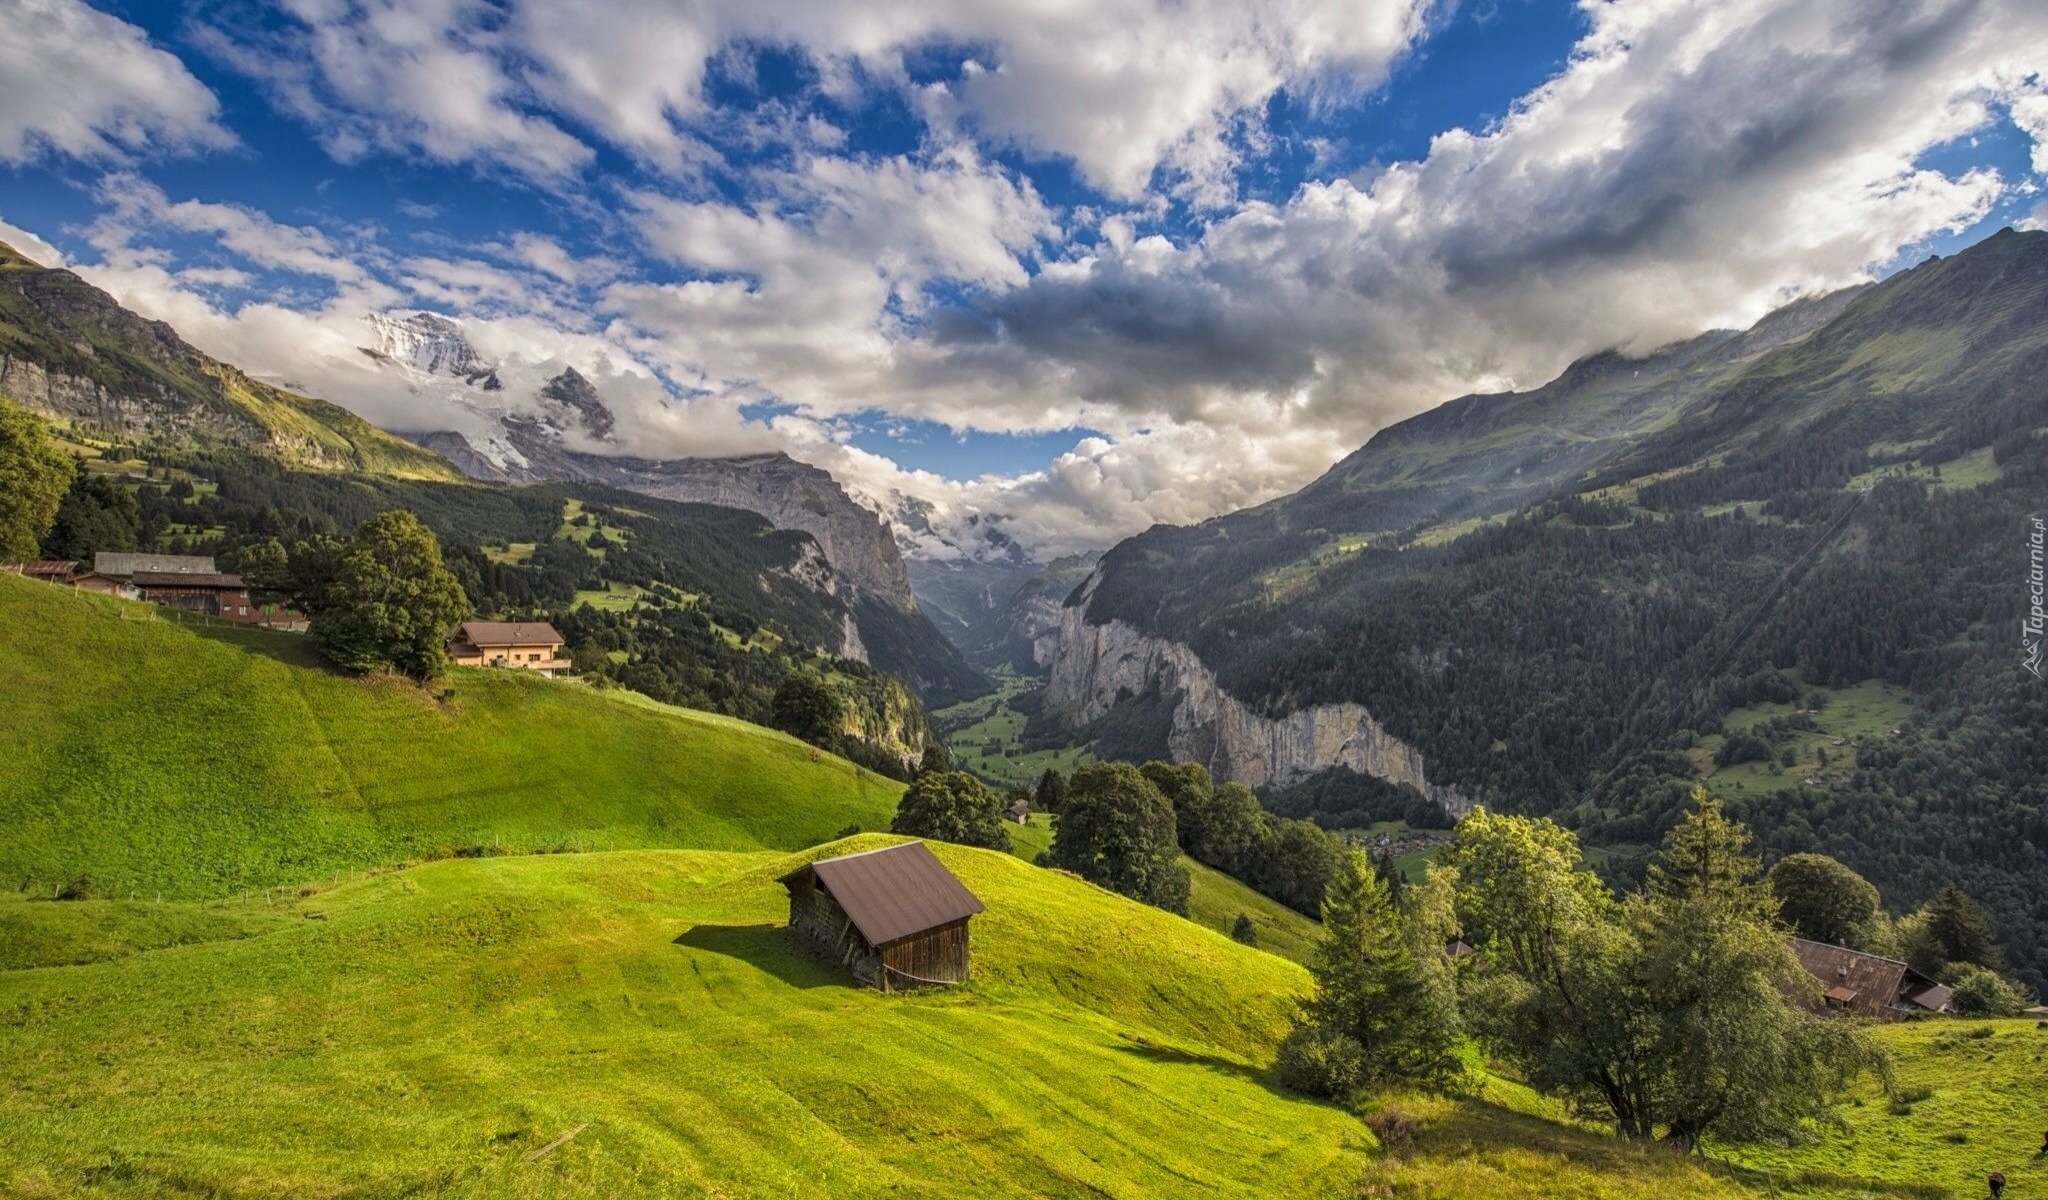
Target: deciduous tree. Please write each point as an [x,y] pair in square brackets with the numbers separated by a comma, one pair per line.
[34,476]
[390,602]
[1116,829]
[952,806]
[1824,901]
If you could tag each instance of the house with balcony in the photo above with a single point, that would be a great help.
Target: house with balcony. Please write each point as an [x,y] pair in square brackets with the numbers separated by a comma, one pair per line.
[516,645]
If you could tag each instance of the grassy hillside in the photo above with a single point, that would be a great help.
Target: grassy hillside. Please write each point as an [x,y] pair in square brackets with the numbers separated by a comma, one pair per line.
[147,757]
[429,1031]
[1214,899]
[436,1026]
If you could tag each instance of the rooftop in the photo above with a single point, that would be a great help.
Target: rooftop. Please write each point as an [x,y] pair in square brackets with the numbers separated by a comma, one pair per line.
[122,566]
[507,633]
[893,892]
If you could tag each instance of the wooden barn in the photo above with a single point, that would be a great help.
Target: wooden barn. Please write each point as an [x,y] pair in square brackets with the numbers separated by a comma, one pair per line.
[1866,985]
[895,916]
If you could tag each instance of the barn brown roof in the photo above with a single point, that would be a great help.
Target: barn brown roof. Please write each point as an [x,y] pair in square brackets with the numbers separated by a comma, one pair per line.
[893,892]
[507,633]
[1865,983]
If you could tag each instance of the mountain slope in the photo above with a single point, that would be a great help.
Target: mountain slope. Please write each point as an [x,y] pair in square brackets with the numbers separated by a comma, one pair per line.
[560,429]
[145,758]
[1104,1048]
[1738,536]
[68,350]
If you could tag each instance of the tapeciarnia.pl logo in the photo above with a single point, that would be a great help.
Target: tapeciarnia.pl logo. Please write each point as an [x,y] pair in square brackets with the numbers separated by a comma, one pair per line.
[2035,623]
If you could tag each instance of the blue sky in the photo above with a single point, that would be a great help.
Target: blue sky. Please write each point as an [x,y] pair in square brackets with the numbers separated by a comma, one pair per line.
[1086,266]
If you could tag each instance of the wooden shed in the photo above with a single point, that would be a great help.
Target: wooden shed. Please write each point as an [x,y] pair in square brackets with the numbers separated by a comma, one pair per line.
[896,916]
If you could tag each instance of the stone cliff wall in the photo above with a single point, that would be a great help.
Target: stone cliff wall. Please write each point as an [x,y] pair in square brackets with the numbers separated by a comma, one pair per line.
[1092,664]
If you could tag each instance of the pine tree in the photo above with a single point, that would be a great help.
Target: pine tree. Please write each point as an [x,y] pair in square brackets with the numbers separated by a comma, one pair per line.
[1371,992]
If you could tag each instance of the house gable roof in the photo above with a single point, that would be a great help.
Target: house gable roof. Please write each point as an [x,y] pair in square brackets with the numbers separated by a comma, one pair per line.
[1867,982]
[507,633]
[187,579]
[122,566]
[894,892]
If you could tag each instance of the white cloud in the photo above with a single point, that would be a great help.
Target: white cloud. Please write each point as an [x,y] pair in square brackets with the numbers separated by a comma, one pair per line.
[76,81]
[1693,165]
[1121,87]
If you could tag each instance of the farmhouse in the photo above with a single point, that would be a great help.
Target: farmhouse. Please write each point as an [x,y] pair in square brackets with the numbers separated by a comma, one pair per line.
[1868,986]
[896,916]
[1020,811]
[520,645]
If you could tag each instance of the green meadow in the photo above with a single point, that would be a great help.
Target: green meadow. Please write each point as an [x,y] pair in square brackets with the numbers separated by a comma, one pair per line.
[141,756]
[512,937]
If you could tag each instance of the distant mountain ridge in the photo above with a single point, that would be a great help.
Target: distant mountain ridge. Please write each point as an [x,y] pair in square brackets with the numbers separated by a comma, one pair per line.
[69,350]
[536,438]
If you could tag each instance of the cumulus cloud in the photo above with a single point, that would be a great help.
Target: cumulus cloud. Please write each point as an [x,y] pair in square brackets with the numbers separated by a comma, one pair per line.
[1690,166]
[1122,87]
[77,81]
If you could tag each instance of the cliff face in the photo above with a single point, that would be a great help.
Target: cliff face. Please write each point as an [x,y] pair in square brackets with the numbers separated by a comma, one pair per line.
[1093,664]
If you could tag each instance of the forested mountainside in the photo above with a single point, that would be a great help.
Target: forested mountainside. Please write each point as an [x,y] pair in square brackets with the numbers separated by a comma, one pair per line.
[1583,599]
[547,432]
[694,604]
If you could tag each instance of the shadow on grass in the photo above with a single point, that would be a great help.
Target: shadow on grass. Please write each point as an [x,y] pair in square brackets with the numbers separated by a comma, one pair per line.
[1479,1127]
[292,649]
[1154,1052]
[767,948]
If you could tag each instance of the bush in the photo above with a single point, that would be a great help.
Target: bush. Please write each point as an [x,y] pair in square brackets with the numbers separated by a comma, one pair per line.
[1982,992]
[1317,1061]
[1242,930]
[1395,1130]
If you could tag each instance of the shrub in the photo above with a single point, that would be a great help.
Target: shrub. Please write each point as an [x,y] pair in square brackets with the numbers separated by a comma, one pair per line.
[1395,1130]
[1317,1061]
[1242,930]
[1982,992]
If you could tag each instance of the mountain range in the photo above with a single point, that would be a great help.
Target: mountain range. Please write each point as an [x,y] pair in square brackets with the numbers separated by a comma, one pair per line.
[1785,563]
[555,432]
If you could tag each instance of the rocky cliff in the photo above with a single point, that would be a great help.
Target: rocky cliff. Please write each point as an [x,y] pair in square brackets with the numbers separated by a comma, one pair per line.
[1094,665]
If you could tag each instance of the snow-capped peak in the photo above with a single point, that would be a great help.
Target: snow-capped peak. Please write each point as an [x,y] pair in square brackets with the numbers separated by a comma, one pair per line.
[427,342]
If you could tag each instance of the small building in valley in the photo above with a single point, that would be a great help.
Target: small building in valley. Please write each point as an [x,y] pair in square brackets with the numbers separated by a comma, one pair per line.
[214,594]
[896,917]
[520,645]
[1020,811]
[48,570]
[1867,985]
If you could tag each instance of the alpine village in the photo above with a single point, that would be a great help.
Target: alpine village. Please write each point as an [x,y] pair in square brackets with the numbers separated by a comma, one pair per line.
[509,738]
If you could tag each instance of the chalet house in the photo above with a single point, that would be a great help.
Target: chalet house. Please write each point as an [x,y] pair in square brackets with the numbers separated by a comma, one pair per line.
[1020,811]
[520,645]
[896,916]
[214,594]
[1866,985]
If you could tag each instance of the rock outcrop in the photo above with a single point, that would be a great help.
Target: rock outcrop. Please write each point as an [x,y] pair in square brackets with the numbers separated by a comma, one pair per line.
[1094,665]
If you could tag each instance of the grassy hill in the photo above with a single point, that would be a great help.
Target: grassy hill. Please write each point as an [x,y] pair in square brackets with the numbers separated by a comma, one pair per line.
[147,757]
[437,1025]
[432,1029]
[429,1031]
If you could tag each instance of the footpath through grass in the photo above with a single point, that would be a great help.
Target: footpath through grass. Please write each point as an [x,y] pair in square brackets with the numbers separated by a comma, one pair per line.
[143,757]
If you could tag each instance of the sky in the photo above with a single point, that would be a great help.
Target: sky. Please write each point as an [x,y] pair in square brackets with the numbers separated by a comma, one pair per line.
[1072,267]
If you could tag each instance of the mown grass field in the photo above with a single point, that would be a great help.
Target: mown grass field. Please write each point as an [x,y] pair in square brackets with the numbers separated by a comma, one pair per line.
[437,1025]
[384,1028]
[146,757]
